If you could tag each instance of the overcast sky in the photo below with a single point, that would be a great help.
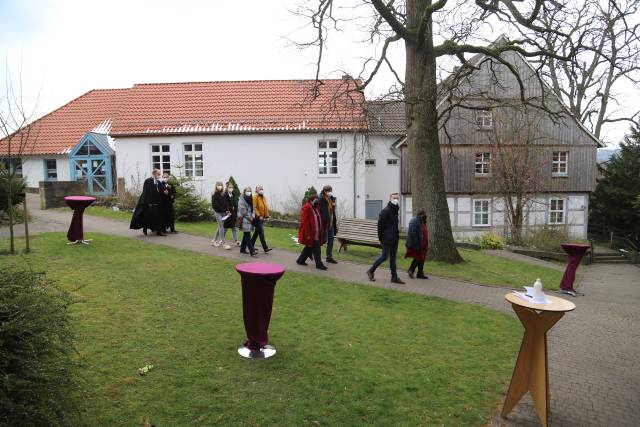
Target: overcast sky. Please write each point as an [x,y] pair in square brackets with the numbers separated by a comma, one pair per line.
[64,48]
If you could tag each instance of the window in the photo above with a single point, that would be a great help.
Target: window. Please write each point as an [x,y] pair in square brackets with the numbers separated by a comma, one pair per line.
[13,165]
[327,157]
[483,163]
[50,170]
[559,163]
[161,157]
[556,211]
[481,211]
[392,162]
[370,162]
[484,119]
[193,160]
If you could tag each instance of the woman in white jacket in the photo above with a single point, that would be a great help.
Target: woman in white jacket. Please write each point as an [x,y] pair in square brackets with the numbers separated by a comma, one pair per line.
[245,221]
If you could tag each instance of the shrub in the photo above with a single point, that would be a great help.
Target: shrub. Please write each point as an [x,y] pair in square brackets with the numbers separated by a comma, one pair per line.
[189,205]
[548,238]
[18,184]
[38,384]
[490,241]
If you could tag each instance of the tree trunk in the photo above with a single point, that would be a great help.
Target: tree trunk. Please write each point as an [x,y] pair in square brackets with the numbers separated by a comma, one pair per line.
[427,178]
[12,245]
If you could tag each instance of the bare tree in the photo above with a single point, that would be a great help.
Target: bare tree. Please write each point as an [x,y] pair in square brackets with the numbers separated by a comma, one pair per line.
[18,138]
[608,35]
[516,163]
[434,32]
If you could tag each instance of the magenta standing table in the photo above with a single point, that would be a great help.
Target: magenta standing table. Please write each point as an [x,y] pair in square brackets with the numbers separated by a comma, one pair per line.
[76,231]
[258,284]
[575,252]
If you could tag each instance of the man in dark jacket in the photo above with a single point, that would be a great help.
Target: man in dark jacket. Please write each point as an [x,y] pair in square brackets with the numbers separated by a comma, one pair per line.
[169,198]
[389,236]
[327,204]
[148,212]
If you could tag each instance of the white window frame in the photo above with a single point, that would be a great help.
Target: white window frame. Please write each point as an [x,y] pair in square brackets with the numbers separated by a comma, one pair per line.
[190,157]
[392,162]
[558,163]
[327,149]
[161,154]
[369,162]
[475,212]
[482,159]
[484,119]
[554,211]
[47,169]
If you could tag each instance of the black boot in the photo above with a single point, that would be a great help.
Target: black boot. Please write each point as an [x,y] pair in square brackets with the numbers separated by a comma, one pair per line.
[397,280]
[410,273]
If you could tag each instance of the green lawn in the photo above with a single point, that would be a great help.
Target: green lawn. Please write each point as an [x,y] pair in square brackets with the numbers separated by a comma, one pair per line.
[478,267]
[347,354]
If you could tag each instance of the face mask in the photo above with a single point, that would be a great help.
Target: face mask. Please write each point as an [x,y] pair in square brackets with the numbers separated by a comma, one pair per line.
[314,203]
[219,187]
[261,192]
[330,194]
[247,193]
[230,190]
[395,201]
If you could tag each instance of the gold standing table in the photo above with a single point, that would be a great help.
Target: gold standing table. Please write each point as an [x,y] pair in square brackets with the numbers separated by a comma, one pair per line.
[531,371]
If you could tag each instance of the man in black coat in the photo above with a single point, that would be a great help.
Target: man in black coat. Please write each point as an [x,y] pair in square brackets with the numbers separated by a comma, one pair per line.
[327,204]
[148,212]
[389,236]
[169,198]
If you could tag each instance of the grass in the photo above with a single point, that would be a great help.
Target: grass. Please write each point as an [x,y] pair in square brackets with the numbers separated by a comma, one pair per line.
[479,267]
[347,354]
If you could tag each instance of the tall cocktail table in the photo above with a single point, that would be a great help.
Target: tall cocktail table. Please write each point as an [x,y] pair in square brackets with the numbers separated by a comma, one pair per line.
[76,230]
[575,252]
[531,372]
[258,285]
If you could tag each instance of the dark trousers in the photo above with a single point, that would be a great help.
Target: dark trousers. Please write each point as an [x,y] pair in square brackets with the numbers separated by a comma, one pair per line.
[259,232]
[330,237]
[388,251]
[309,251]
[417,264]
[246,242]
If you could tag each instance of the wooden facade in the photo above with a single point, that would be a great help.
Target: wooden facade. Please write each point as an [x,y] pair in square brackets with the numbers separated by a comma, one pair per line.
[493,88]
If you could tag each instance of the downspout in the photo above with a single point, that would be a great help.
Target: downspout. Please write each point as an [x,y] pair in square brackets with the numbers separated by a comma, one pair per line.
[394,150]
[355,137]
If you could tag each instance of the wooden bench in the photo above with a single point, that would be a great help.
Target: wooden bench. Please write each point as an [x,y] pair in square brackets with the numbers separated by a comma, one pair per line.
[359,232]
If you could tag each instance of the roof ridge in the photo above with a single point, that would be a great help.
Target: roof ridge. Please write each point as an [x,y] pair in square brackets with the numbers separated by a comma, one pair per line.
[235,81]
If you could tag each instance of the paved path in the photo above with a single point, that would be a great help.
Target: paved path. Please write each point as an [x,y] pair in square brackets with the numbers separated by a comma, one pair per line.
[594,352]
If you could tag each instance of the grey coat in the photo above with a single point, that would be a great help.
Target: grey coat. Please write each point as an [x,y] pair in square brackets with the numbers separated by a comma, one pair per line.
[245,211]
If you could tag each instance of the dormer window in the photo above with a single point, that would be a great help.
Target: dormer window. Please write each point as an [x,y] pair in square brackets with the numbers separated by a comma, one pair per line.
[484,119]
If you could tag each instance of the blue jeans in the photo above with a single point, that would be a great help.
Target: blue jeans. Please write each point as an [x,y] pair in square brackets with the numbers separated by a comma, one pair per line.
[246,242]
[259,232]
[388,251]
[330,235]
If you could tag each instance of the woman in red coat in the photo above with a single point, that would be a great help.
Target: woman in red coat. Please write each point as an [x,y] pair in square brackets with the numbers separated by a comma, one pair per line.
[417,244]
[311,233]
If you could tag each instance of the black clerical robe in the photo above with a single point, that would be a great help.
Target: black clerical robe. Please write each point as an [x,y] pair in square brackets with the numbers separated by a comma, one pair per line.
[148,212]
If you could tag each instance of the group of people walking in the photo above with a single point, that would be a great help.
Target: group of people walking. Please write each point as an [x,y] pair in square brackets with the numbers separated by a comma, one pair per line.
[155,210]
[248,212]
[318,223]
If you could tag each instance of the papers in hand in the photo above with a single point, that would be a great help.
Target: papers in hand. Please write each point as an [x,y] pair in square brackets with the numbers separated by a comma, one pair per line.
[224,218]
[528,295]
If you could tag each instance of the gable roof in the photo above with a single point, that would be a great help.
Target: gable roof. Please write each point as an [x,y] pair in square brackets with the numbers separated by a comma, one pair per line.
[60,130]
[386,117]
[200,108]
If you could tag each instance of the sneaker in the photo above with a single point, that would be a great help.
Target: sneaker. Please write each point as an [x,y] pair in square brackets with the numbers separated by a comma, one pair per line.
[254,253]
[370,275]
[331,261]
[410,273]
[226,247]
[237,242]
[397,280]
[215,243]
[268,250]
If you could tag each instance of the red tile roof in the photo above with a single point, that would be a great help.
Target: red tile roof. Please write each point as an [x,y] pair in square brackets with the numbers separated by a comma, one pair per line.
[204,107]
[60,130]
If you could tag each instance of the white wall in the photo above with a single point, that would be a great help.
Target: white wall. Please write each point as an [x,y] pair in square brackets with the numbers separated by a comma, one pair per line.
[381,179]
[537,215]
[284,163]
[33,169]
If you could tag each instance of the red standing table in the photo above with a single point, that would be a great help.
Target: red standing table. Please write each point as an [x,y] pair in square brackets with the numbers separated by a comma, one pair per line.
[258,285]
[78,204]
[575,252]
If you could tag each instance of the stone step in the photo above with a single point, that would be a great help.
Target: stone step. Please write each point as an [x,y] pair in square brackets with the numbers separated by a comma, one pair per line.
[616,260]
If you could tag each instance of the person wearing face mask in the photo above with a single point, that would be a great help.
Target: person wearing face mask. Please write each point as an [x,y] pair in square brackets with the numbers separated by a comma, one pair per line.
[389,235]
[148,212]
[262,213]
[245,219]
[221,209]
[327,205]
[231,223]
[417,244]
[311,233]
